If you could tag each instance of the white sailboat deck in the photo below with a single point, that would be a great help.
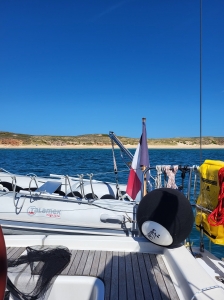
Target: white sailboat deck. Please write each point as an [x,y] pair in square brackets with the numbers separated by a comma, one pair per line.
[125,275]
[130,268]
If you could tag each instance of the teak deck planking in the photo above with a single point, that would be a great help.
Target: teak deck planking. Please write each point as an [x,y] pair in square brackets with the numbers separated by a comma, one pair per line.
[126,275]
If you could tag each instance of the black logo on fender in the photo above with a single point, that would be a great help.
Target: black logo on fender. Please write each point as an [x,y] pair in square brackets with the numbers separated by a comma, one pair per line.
[152,234]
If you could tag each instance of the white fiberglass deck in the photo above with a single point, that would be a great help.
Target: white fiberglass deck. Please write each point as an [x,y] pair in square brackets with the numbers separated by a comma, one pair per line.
[129,268]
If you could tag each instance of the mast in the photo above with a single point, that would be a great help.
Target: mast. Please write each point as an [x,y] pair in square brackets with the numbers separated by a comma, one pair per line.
[144,157]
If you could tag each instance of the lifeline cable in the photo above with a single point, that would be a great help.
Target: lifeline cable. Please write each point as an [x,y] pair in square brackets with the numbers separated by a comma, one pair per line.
[201,82]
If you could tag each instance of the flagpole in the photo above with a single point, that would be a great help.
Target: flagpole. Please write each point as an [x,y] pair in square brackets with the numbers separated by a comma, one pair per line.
[137,180]
[144,191]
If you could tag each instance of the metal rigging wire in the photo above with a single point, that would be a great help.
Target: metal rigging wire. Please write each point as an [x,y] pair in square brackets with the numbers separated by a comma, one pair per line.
[200,82]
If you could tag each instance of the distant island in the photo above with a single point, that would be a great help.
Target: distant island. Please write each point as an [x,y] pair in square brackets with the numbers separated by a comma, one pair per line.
[16,140]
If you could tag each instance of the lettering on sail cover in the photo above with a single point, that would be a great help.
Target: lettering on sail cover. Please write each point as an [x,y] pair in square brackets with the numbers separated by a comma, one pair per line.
[46,212]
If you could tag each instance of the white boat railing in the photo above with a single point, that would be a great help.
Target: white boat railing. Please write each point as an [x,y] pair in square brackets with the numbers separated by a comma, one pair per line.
[158,178]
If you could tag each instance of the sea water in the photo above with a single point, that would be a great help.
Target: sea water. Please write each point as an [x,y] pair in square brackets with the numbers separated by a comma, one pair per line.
[99,162]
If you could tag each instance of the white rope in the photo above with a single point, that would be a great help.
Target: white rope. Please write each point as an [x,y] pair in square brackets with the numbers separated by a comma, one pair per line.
[33,178]
[91,185]
[207,289]
[69,182]
[158,179]
[196,175]
[189,184]
[171,176]
[81,185]
[3,189]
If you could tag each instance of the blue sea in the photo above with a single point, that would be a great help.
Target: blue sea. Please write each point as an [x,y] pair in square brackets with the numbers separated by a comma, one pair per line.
[73,162]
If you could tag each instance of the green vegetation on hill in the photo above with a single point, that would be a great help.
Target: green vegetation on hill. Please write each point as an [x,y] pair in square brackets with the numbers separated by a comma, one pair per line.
[16,139]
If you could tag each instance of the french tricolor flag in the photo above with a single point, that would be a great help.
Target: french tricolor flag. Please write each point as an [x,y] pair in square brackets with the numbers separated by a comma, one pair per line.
[140,159]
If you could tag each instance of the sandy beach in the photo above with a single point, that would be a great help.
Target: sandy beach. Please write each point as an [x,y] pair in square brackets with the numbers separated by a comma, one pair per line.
[179,146]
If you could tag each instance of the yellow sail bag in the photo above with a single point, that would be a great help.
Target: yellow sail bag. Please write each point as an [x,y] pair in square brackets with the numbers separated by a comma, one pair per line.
[208,200]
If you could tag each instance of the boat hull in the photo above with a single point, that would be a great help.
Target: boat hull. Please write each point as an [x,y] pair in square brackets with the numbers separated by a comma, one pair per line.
[51,214]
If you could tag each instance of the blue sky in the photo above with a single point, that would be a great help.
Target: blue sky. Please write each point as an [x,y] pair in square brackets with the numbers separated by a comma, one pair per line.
[77,67]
